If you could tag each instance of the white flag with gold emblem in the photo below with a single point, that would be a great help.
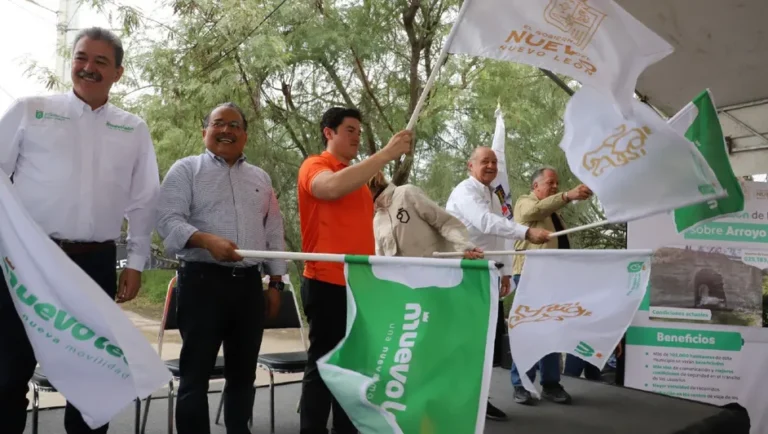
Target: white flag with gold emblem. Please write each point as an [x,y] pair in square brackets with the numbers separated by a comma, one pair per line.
[583,309]
[594,41]
[636,165]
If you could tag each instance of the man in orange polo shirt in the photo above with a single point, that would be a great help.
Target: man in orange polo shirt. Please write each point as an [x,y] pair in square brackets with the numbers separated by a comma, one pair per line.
[336,214]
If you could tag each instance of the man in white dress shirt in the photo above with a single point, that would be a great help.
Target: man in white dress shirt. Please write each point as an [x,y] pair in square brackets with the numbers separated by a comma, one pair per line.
[79,166]
[474,203]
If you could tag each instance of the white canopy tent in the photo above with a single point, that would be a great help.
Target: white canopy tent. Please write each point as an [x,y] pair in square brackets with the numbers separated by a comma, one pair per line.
[721,45]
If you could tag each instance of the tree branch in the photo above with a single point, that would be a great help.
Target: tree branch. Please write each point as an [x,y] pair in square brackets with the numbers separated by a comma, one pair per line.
[251,92]
[283,120]
[369,90]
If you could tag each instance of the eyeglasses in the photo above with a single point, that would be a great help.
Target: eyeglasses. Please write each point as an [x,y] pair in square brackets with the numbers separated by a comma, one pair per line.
[220,125]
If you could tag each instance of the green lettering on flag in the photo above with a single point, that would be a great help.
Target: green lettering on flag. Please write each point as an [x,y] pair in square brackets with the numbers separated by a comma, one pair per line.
[698,119]
[415,360]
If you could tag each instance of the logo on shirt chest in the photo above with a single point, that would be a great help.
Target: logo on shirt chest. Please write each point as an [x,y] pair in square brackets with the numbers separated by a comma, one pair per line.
[123,128]
[39,114]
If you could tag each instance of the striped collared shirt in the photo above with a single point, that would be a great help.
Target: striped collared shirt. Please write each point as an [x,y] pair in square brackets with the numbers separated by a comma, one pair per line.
[202,193]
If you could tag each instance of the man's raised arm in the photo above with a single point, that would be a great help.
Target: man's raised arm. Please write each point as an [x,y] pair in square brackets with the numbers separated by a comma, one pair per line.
[328,185]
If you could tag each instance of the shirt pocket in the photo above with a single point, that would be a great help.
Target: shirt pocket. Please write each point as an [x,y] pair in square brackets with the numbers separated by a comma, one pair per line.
[49,150]
[117,160]
[256,197]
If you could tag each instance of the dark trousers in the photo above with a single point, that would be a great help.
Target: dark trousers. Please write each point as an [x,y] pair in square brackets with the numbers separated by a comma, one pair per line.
[574,366]
[499,349]
[17,360]
[325,305]
[216,305]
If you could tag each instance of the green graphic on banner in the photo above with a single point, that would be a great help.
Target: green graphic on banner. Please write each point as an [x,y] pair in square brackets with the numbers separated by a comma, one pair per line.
[739,232]
[584,349]
[684,338]
[413,360]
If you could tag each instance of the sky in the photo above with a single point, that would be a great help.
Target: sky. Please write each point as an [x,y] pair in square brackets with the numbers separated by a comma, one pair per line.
[17,17]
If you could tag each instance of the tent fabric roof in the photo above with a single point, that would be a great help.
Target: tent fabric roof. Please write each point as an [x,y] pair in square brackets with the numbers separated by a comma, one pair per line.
[721,45]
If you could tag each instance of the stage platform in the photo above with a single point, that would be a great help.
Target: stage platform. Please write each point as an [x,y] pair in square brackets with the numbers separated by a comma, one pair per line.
[596,409]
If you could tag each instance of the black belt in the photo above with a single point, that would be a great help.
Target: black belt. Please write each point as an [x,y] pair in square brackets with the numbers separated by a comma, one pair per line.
[76,247]
[221,270]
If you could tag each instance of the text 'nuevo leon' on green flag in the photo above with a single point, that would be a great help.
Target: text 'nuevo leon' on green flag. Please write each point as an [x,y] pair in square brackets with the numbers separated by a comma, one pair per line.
[417,354]
[699,123]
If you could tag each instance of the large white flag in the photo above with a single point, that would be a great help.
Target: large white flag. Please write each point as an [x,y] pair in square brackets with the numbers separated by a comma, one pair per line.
[500,184]
[88,348]
[636,165]
[575,301]
[594,41]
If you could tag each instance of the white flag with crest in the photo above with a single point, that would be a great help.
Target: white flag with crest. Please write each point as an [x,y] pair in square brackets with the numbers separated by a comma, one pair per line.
[87,347]
[594,41]
[500,184]
[583,309]
[636,165]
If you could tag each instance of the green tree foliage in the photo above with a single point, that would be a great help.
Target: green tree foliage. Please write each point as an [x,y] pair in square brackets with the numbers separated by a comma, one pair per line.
[285,62]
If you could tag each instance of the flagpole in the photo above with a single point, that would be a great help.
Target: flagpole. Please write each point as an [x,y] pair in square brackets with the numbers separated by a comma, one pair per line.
[328,257]
[488,253]
[433,76]
[546,252]
[291,256]
[581,228]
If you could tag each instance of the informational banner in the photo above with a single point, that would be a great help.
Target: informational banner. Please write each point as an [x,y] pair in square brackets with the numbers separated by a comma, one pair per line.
[700,332]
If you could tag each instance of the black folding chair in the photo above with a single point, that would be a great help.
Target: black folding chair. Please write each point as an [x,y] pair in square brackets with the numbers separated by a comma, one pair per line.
[40,383]
[281,363]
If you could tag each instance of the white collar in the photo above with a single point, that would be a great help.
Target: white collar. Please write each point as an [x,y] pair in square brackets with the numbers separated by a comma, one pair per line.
[79,106]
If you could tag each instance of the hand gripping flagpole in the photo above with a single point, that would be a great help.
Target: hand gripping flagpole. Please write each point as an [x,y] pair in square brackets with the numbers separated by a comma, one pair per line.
[433,76]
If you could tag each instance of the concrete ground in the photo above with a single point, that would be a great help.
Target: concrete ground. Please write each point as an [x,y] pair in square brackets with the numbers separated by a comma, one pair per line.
[274,341]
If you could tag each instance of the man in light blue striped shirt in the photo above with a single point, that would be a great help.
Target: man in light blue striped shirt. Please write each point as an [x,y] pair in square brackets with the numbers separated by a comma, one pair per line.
[210,205]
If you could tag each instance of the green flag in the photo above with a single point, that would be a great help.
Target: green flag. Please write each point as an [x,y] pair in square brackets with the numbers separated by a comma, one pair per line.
[417,354]
[699,123]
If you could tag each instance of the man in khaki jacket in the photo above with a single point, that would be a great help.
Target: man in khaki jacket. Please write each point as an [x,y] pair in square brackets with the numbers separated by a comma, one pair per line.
[539,210]
[407,223]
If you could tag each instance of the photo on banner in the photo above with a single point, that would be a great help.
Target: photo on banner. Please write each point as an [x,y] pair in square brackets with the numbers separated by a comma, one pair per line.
[708,284]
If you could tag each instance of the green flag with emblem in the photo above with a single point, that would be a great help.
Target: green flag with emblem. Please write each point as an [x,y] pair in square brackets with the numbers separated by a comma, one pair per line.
[418,348]
[699,123]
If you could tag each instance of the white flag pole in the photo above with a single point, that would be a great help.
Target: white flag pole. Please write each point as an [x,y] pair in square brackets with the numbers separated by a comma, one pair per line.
[327,257]
[581,228]
[545,251]
[433,76]
[488,253]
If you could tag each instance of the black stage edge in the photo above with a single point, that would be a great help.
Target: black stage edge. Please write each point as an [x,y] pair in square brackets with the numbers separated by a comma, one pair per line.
[597,409]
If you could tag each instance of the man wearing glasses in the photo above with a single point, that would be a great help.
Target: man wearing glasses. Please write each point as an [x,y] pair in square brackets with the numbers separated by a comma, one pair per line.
[210,205]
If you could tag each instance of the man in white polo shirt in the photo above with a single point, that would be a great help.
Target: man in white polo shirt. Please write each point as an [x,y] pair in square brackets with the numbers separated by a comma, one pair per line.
[475,204]
[79,166]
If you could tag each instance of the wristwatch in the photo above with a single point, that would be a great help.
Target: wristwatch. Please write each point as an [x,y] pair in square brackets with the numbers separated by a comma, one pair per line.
[277,285]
